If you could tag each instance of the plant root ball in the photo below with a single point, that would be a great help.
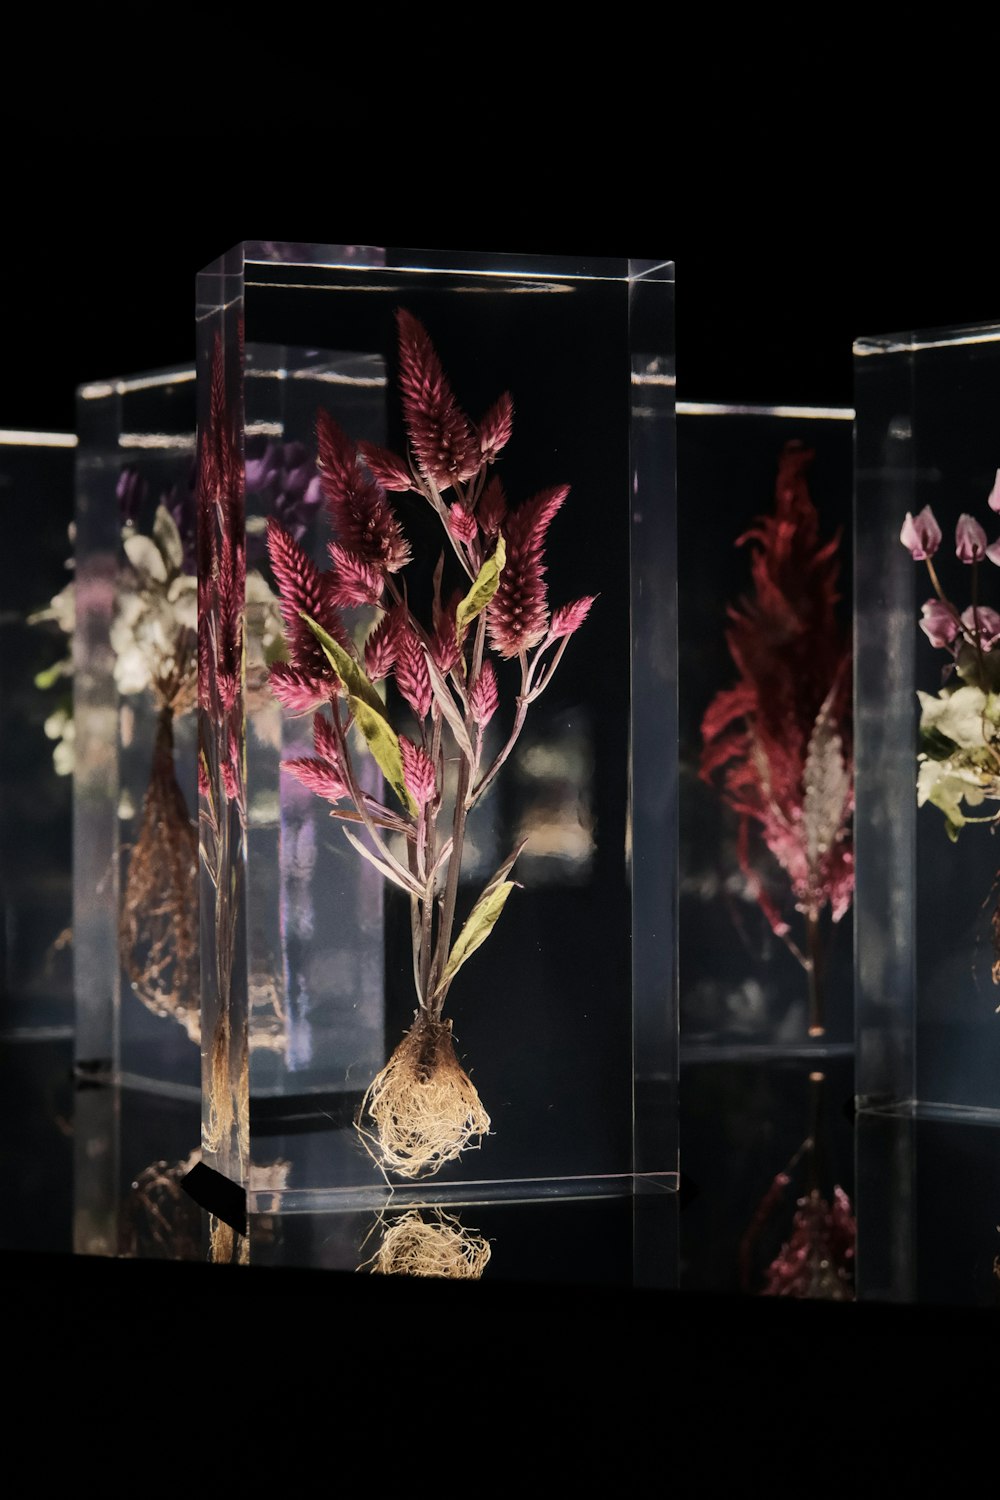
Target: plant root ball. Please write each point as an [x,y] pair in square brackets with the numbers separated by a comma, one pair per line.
[423,1105]
[441,1246]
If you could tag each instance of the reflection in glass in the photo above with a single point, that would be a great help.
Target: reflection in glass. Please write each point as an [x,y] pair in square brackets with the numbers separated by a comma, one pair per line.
[817,1259]
[158,1219]
[424,1242]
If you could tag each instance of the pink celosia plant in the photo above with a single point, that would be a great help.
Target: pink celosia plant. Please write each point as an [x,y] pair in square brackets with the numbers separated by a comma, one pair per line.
[779,742]
[422,1106]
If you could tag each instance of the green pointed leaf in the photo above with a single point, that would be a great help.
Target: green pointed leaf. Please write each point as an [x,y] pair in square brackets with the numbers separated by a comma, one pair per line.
[482,920]
[50,675]
[384,746]
[482,591]
[352,676]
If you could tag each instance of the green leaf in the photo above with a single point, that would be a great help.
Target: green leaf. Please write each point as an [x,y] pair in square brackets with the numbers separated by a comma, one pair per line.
[482,591]
[384,746]
[482,919]
[50,675]
[347,669]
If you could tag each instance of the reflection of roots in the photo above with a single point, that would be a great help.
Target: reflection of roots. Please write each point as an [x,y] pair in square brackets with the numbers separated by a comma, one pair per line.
[228,1099]
[158,1219]
[158,926]
[226,1247]
[413,1247]
[424,1106]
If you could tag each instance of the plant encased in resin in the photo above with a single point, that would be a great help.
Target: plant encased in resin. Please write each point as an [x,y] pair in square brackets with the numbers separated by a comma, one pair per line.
[779,741]
[422,1109]
[959,756]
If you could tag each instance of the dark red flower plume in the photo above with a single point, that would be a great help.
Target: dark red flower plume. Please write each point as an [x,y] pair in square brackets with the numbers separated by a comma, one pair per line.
[302,587]
[360,513]
[496,427]
[441,436]
[518,614]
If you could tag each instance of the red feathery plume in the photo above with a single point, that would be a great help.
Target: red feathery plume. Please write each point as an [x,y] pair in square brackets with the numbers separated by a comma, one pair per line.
[412,677]
[485,695]
[462,524]
[296,690]
[325,741]
[418,772]
[318,775]
[302,587]
[518,612]
[441,436]
[818,1260]
[781,737]
[354,581]
[569,617]
[386,467]
[492,511]
[496,427]
[444,642]
[381,646]
[360,513]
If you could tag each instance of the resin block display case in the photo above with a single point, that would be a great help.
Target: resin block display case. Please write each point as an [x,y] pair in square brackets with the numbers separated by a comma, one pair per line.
[764,551]
[135,909]
[928,450]
[563,1016]
[36,491]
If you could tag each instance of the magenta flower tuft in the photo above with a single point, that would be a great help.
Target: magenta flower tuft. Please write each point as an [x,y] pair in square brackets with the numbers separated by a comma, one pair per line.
[354,580]
[982,621]
[485,696]
[462,524]
[412,676]
[921,534]
[318,775]
[444,642]
[970,540]
[360,513]
[381,645]
[492,510]
[296,690]
[303,589]
[418,772]
[496,427]
[518,613]
[940,622]
[441,436]
[569,617]
[993,498]
[386,467]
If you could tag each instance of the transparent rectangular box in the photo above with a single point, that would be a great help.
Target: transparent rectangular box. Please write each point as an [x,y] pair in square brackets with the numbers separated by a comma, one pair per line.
[135,902]
[36,491]
[927,592]
[764,550]
[564,1012]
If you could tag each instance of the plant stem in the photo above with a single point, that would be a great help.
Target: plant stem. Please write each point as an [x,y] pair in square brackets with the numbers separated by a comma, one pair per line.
[814,966]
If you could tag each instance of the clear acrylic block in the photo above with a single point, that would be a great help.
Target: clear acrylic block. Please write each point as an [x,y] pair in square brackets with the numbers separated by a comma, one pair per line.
[927,674]
[135,908]
[564,1019]
[764,551]
[36,490]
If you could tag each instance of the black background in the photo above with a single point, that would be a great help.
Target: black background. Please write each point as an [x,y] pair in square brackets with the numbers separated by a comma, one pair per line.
[809,189]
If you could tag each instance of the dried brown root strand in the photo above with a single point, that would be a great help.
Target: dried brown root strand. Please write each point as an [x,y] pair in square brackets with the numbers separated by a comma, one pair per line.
[158,924]
[995,934]
[424,1107]
[226,1247]
[226,1129]
[413,1246]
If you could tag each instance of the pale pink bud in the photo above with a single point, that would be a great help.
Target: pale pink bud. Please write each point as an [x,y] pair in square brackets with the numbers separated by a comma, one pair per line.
[921,535]
[984,622]
[939,623]
[993,498]
[993,552]
[485,695]
[970,540]
[461,524]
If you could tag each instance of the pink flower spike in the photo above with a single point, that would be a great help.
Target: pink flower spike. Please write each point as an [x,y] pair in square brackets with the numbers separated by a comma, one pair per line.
[412,676]
[385,466]
[461,524]
[988,628]
[993,498]
[970,540]
[496,427]
[921,535]
[569,617]
[296,690]
[418,772]
[354,580]
[485,696]
[318,775]
[939,623]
